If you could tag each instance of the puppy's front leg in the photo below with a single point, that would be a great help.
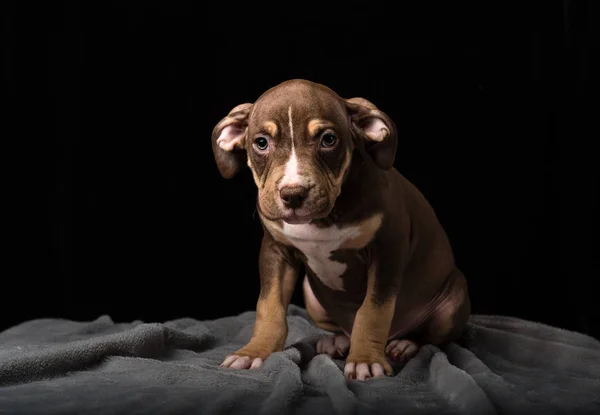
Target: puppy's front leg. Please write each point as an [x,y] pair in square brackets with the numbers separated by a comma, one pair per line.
[278,276]
[370,331]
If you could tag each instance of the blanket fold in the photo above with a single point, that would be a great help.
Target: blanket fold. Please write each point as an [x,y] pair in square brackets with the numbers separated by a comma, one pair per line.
[501,365]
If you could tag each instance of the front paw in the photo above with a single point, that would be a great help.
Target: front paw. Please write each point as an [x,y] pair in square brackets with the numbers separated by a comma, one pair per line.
[361,365]
[247,357]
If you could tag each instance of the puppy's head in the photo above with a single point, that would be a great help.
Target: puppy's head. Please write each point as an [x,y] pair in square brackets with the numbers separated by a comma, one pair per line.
[298,139]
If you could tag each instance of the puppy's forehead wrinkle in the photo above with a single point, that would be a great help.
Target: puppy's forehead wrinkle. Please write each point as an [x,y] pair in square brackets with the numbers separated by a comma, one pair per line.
[294,126]
[307,99]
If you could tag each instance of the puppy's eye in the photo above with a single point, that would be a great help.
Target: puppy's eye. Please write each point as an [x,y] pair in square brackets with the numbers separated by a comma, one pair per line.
[261,143]
[328,140]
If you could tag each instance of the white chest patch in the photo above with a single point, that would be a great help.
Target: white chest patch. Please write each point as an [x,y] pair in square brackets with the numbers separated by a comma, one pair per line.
[317,244]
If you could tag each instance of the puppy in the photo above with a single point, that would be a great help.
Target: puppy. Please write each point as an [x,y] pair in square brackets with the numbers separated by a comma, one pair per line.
[380,272]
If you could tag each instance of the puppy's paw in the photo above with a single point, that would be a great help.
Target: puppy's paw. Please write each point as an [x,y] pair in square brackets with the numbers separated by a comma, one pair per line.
[365,365]
[401,351]
[245,358]
[336,345]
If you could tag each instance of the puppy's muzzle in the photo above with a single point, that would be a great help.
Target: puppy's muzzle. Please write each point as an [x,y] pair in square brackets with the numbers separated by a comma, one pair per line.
[293,197]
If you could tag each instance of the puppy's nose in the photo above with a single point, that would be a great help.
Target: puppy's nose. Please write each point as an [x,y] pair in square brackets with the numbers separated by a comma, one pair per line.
[293,196]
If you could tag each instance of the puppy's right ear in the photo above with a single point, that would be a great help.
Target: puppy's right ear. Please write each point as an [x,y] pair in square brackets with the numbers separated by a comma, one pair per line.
[228,140]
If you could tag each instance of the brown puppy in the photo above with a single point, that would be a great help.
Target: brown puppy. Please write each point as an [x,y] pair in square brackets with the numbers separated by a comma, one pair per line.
[380,269]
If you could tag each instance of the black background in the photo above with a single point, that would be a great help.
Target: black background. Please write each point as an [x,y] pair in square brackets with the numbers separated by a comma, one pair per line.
[115,205]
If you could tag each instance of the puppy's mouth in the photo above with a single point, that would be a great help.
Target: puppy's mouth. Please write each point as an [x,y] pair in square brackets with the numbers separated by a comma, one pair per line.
[296,220]
[298,216]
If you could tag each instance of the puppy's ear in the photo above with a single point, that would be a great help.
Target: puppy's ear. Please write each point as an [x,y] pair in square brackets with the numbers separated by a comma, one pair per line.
[376,128]
[228,141]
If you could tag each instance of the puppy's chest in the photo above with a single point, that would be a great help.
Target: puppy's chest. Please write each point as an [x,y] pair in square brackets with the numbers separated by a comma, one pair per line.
[321,247]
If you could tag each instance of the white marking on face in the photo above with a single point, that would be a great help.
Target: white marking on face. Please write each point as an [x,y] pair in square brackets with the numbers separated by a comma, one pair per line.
[317,244]
[291,124]
[291,176]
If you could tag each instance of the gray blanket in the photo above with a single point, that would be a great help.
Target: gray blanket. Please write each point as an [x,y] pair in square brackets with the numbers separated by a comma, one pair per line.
[501,366]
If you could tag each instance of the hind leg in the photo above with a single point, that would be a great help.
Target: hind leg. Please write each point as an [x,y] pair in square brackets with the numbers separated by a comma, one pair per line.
[443,326]
[335,345]
[450,317]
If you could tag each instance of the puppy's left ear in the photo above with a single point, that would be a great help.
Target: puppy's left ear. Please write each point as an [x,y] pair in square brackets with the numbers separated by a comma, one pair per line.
[376,128]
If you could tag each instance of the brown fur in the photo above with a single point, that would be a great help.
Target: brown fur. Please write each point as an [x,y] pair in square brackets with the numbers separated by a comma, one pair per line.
[400,278]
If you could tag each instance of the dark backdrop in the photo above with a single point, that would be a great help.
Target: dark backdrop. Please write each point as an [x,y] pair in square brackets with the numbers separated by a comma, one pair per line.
[115,203]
